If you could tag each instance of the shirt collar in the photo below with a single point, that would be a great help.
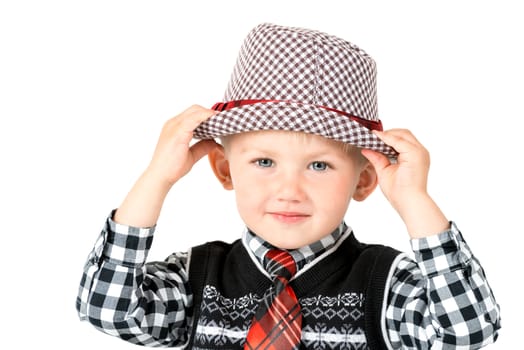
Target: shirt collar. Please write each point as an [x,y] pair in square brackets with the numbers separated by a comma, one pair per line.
[303,255]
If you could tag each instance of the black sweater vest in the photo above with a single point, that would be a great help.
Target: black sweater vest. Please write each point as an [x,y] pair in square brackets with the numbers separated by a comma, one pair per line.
[341,296]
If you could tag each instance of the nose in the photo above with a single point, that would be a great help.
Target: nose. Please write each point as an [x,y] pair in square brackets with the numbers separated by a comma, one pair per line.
[290,187]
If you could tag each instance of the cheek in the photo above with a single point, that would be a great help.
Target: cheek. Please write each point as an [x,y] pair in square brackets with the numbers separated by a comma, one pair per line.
[242,179]
[250,203]
[248,192]
[338,192]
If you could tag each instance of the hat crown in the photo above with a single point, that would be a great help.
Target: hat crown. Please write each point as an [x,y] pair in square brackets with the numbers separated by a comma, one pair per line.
[306,66]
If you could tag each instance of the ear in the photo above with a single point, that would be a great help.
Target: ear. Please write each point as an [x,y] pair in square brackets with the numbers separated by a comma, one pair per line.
[220,166]
[367,182]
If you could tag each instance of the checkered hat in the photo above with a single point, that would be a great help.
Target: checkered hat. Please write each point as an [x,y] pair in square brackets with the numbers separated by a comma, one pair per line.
[300,80]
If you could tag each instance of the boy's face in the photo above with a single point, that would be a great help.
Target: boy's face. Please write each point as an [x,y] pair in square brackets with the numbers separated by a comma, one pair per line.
[291,189]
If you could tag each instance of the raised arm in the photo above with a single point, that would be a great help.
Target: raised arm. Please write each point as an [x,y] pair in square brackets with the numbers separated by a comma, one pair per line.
[173,158]
[121,294]
[442,298]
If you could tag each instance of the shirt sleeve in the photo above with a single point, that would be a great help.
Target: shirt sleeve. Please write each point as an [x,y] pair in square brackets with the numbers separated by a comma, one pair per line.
[441,300]
[121,295]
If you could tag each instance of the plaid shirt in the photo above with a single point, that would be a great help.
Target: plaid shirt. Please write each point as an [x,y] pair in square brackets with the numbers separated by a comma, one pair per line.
[439,300]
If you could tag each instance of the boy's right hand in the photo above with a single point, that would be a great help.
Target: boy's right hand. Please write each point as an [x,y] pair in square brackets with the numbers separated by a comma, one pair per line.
[174,157]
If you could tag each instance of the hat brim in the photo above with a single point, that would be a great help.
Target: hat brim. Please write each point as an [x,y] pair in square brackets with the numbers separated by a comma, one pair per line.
[291,116]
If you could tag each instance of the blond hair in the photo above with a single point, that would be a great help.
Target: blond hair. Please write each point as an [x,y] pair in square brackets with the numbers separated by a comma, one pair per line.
[350,149]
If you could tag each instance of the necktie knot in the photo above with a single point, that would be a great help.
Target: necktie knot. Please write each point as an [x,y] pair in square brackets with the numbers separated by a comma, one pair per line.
[280,264]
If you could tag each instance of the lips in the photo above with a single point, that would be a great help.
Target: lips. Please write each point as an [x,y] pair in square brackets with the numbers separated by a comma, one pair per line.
[289,217]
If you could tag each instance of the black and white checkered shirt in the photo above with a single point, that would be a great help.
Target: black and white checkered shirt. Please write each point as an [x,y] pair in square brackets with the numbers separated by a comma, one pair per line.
[440,300]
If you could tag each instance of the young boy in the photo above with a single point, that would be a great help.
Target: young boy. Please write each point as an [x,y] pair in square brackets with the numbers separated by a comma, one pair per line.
[300,137]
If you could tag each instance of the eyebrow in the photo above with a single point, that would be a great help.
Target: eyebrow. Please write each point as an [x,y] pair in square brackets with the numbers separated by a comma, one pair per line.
[253,149]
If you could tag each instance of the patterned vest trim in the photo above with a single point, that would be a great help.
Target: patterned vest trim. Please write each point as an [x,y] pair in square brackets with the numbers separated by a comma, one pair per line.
[340,296]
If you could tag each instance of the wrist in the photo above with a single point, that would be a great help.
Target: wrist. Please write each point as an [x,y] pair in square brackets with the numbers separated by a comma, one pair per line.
[154,179]
[422,216]
[142,205]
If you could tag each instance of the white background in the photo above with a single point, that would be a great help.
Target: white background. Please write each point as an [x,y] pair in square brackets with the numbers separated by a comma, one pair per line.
[85,87]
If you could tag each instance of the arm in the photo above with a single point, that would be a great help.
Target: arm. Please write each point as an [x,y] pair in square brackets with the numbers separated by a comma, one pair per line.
[443,298]
[404,183]
[173,158]
[119,293]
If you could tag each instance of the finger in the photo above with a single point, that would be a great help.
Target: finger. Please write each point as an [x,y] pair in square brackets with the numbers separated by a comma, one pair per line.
[192,117]
[400,139]
[183,125]
[377,159]
[404,133]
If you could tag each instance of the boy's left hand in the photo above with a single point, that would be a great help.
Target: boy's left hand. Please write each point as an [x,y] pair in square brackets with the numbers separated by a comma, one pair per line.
[404,182]
[408,175]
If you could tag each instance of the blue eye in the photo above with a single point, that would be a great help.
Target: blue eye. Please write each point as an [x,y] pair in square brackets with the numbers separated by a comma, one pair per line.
[264,163]
[319,166]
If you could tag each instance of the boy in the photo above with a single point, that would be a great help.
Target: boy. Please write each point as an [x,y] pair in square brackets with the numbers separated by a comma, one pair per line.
[300,138]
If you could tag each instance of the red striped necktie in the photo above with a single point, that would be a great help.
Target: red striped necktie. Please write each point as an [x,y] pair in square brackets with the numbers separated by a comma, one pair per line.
[278,321]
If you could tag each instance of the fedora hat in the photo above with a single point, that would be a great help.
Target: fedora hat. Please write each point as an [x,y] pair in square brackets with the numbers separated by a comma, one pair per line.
[297,79]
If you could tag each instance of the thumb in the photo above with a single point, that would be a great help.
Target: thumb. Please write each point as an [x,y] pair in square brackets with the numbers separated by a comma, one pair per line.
[202,148]
[377,159]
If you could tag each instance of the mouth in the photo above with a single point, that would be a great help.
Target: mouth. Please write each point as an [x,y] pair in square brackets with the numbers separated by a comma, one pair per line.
[289,217]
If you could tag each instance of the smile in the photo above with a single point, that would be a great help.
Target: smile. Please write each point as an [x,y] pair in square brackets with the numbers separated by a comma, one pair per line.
[289,217]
